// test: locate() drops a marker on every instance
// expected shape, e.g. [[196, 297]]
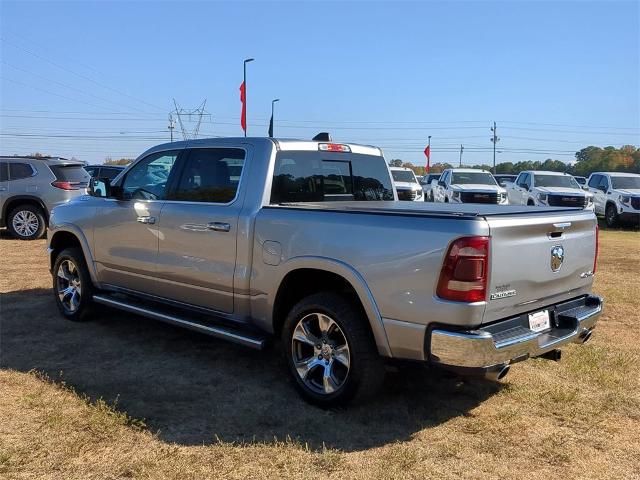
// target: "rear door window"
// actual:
[[210, 175], [322, 177], [18, 171]]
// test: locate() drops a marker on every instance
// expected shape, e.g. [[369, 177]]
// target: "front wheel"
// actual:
[[72, 285], [611, 215], [330, 351]]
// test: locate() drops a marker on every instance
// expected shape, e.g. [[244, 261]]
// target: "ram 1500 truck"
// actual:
[[249, 239]]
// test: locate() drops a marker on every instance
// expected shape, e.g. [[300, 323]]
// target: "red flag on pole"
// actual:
[[243, 115], [427, 152]]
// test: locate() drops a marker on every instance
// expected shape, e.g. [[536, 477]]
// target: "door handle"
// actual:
[[218, 227], [2, 189], [147, 220]]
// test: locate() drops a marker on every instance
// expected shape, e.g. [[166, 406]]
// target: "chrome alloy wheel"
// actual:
[[320, 353], [25, 223], [68, 286]]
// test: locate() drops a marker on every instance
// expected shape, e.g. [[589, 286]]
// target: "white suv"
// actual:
[[468, 185], [548, 189], [616, 196], [406, 184]]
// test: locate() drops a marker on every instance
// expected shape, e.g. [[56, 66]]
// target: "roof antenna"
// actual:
[[322, 137]]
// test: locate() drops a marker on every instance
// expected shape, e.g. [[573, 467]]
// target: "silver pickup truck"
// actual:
[[250, 239]]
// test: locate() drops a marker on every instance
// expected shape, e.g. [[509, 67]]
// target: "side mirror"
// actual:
[[585, 188], [603, 189], [101, 187]]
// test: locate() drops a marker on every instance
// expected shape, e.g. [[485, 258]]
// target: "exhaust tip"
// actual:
[[503, 372], [585, 336], [497, 373]]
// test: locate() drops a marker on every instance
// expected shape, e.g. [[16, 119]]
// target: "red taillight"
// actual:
[[595, 258], [463, 277], [68, 185]]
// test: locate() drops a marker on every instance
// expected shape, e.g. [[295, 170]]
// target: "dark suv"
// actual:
[[104, 171], [30, 187]]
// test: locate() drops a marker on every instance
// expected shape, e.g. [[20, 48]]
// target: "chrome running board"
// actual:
[[243, 338]]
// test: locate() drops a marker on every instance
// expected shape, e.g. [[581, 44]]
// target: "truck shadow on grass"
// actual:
[[192, 389]]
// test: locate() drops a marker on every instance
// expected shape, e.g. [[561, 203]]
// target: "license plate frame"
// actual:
[[539, 321]]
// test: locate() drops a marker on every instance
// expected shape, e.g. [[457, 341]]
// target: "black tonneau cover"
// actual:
[[457, 210]]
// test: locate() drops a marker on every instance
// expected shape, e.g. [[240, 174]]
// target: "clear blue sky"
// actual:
[[97, 79]]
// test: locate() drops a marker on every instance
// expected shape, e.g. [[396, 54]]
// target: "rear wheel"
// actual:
[[330, 351], [611, 215], [72, 285], [27, 222]]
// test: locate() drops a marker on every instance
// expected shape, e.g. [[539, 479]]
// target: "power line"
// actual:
[[89, 79], [48, 92], [66, 86]]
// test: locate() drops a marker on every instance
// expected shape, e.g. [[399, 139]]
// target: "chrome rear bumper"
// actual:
[[511, 340]]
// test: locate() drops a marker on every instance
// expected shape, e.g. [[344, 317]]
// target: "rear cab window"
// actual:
[[303, 176]]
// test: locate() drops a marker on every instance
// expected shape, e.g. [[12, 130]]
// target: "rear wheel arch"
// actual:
[[12, 202], [299, 283]]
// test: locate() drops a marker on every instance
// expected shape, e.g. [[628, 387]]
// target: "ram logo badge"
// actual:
[[557, 257]]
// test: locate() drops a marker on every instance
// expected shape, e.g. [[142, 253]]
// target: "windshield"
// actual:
[[403, 176], [625, 182], [556, 181], [474, 178]]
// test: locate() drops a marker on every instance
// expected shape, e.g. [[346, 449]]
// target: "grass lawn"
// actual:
[[125, 397]]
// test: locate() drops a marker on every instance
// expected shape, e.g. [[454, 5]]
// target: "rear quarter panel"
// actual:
[[398, 257]]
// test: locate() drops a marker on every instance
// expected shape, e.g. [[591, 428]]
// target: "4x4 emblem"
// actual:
[[557, 257]]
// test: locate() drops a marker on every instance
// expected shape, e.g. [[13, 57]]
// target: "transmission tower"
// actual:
[[184, 115]]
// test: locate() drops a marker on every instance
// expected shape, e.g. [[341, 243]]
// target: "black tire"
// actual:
[[27, 222], [365, 372], [611, 215], [61, 280]]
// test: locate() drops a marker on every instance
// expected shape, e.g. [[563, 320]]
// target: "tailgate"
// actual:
[[538, 259]]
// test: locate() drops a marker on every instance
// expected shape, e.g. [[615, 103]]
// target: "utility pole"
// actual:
[[461, 150], [171, 126], [495, 140]]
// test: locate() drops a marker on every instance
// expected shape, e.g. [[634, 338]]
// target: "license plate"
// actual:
[[539, 321]]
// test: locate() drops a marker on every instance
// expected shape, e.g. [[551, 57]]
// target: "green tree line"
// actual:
[[589, 159]]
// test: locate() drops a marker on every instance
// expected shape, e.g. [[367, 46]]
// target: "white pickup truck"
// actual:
[[548, 189], [616, 196], [406, 184], [468, 185]]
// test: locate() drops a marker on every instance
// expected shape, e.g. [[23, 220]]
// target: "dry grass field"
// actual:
[[125, 397]]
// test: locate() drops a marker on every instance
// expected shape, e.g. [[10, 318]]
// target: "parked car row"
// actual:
[[613, 195]]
